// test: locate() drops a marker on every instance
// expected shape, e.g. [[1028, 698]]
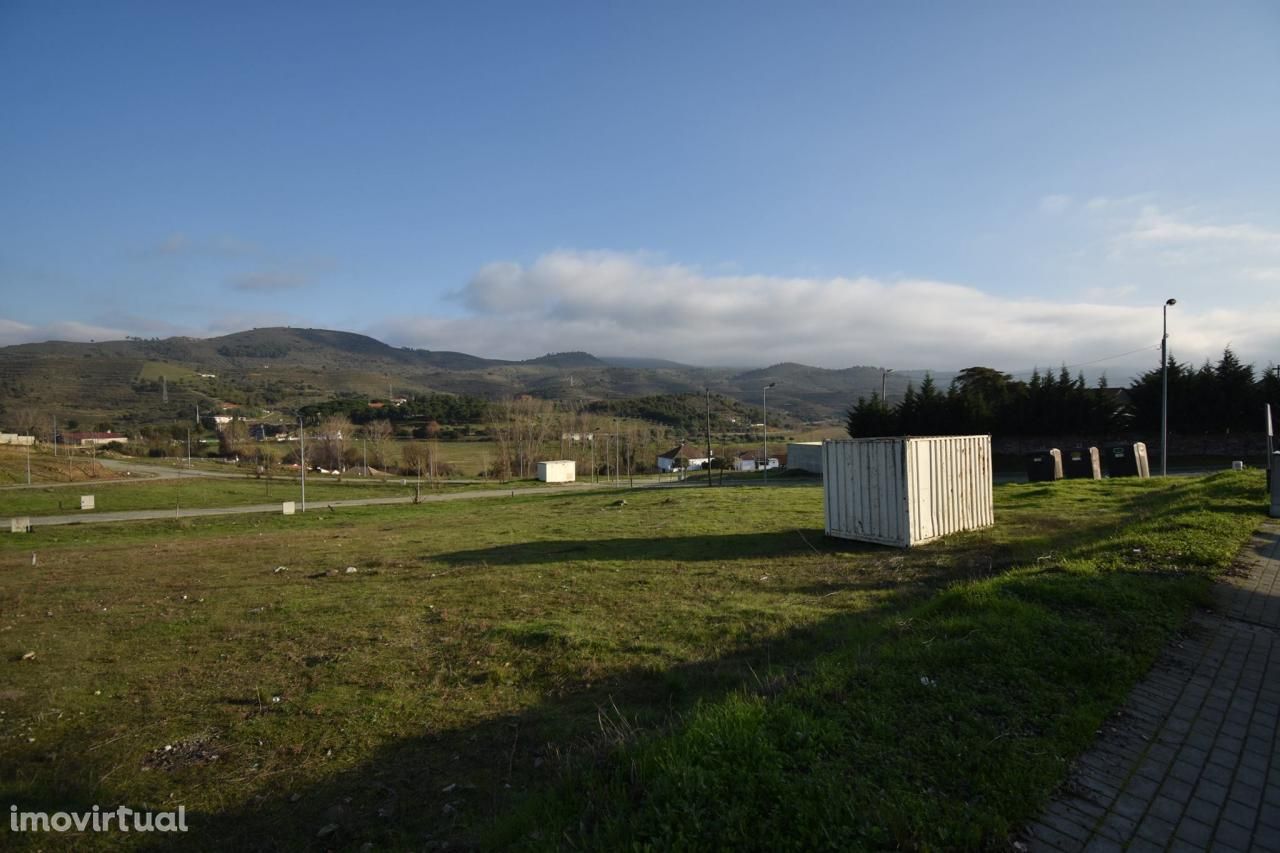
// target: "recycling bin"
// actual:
[[1127, 460], [1044, 465], [1082, 463]]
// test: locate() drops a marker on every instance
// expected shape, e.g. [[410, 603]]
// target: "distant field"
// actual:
[[469, 458], [189, 494], [201, 492], [47, 468], [690, 668]]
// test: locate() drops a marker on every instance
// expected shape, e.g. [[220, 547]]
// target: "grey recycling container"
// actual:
[[1082, 463], [1044, 465], [1126, 460]]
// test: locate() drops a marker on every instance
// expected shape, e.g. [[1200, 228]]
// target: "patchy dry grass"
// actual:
[[47, 468]]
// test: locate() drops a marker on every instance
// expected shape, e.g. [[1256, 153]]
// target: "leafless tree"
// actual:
[[331, 441], [382, 446], [28, 420]]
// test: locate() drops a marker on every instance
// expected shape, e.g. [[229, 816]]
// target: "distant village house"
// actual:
[[91, 439]]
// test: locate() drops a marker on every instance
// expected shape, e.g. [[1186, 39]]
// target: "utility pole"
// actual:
[[766, 431], [28, 465], [55, 435], [1164, 391], [188, 447], [884, 374], [302, 461], [708, 437], [364, 446]]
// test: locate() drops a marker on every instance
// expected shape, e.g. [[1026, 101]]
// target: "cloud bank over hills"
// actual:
[[1133, 255]]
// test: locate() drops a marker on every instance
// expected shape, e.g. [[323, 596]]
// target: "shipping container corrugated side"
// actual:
[[907, 491]]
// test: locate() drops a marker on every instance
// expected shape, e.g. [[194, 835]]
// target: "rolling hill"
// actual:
[[279, 368]]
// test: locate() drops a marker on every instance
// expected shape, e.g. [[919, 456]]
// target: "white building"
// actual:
[[751, 462], [692, 458]]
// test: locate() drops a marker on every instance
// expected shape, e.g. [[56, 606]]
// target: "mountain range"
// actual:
[[152, 379]]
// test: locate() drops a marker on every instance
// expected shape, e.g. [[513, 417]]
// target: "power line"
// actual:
[[1087, 363]]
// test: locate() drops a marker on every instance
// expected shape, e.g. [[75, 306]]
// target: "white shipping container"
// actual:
[[907, 491], [557, 471], [805, 456]]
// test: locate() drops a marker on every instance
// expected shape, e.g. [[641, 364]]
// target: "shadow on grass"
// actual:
[[679, 548], [449, 785]]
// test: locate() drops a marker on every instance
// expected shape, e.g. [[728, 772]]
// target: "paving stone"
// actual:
[[1073, 829], [1230, 836], [1142, 787], [1252, 778], [1166, 808], [1142, 845], [1185, 771], [1196, 745], [1241, 813], [1156, 829], [1176, 789], [1129, 806], [1179, 846], [1203, 811], [1047, 838], [1194, 832], [1212, 791], [1117, 827]]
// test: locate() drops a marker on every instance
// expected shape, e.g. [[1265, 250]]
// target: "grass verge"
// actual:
[[945, 726]]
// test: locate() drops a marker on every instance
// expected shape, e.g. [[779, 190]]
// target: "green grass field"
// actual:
[[196, 492], [202, 492], [693, 668]]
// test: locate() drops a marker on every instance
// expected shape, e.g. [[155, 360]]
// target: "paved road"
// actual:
[[141, 473], [312, 506], [1193, 760]]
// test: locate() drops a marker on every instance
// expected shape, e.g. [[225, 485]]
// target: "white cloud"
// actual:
[[611, 303], [1156, 226]]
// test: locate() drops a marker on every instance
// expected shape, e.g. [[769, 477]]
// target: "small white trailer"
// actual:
[[557, 471]]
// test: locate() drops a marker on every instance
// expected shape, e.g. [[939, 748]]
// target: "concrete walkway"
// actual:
[[1192, 762]]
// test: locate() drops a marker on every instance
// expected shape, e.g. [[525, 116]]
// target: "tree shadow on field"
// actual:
[[447, 786], [679, 548]]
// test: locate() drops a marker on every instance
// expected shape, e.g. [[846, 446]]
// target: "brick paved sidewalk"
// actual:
[[1192, 762]]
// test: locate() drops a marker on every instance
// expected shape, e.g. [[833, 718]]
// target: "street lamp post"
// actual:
[[765, 431], [302, 461], [708, 437], [884, 374], [1164, 390]]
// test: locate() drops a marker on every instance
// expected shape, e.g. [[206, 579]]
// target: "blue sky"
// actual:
[[911, 184]]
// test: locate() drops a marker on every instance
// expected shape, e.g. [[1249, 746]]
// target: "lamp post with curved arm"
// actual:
[[765, 432], [1164, 391]]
